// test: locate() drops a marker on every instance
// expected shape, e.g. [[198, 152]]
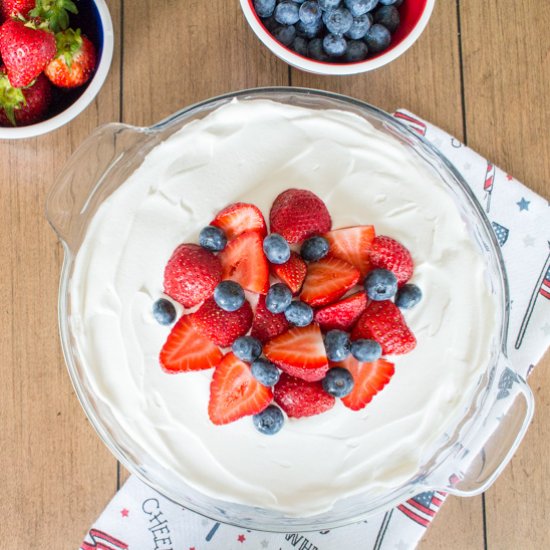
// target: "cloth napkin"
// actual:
[[139, 518]]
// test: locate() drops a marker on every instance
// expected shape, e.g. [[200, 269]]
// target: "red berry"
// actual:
[[389, 254], [267, 325], [352, 244], [238, 218], [342, 314], [292, 273], [15, 8]]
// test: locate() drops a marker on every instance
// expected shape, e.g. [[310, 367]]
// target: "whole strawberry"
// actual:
[[16, 8], [387, 253]]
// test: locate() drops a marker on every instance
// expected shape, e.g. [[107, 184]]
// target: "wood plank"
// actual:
[[55, 473]]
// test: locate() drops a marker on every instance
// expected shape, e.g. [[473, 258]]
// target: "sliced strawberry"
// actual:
[[238, 218], [186, 350], [292, 273], [235, 393], [220, 326], [243, 260], [369, 379], [191, 274], [343, 314], [300, 398], [387, 253], [384, 322], [300, 352], [297, 214], [327, 280], [267, 325], [352, 244]]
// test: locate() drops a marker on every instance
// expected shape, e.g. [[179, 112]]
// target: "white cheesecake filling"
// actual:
[[251, 151]]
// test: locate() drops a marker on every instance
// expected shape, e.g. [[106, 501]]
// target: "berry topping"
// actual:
[[265, 372], [243, 260], [299, 352], [342, 314], [338, 21], [278, 298], [327, 280], [276, 249], [191, 274], [338, 382], [352, 244], [335, 45], [380, 284], [269, 421], [297, 214], [365, 350], [212, 238], [164, 312], [361, 24], [310, 13], [378, 38], [292, 273], [247, 348], [299, 313], [383, 322], [337, 345], [387, 253], [314, 249], [286, 13], [235, 393], [238, 218], [299, 398], [222, 327], [408, 296], [186, 350], [267, 325], [229, 295]]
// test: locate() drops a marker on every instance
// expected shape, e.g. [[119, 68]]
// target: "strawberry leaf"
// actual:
[[55, 13]]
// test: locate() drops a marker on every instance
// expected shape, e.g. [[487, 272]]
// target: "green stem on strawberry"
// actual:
[[55, 13], [10, 98], [68, 43]]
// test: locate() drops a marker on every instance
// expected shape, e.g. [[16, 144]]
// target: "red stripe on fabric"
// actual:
[[413, 516], [436, 501], [545, 293], [421, 507]]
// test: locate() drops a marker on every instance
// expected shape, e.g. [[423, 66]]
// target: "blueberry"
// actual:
[[357, 51], [285, 35], [247, 348], [309, 31], [265, 372], [310, 12], [387, 16], [395, 3], [334, 46], [229, 295], [299, 313], [408, 296], [378, 38], [315, 49], [270, 24], [264, 8], [338, 21], [337, 345], [338, 382], [278, 298], [361, 24], [212, 238], [276, 249], [380, 284], [164, 311], [269, 421], [297, 1], [359, 7], [300, 45], [365, 350], [287, 13], [314, 249], [327, 5]]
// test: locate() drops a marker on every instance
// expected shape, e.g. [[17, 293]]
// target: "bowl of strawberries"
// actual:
[[54, 58]]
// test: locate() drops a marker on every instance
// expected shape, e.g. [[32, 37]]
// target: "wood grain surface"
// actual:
[[481, 71]]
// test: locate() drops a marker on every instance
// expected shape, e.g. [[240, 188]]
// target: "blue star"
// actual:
[[523, 204]]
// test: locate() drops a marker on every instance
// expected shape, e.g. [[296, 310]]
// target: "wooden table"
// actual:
[[481, 71]]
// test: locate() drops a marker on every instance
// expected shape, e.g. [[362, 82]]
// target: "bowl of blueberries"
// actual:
[[338, 37]]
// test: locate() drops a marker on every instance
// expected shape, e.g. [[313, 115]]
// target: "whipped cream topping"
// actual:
[[251, 151]]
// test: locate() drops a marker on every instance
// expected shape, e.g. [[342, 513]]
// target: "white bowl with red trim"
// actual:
[[415, 15]]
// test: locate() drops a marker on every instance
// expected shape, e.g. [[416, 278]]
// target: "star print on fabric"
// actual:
[[241, 538], [523, 204], [124, 513], [509, 177], [546, 329], [264, 543], [528, 240]]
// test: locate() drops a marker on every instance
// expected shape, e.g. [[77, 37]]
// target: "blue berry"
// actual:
[[359, 7], [299, 314], [285, 35], [298, 1], [164, 312], [361, 24], [276, 249], [378, 38], [287, 13], [387, 16], [247, 348], [395, 3], [309, 31], [212, 238], [278, 298], [365, 350], [338, 21], [229, 295], [337, 345], [265, 372], [315, 49], [357, 51], [334, 46], [264, 8], [327, 5], [314, 249], [408, 296], [310, 12], [270, 24], [269, 421], [300, 45], [338, 382], [380, 284]]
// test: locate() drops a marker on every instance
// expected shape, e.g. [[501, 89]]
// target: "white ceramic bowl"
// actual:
[[96, 13], [415, 15]]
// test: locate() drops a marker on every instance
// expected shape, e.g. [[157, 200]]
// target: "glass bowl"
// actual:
[[465, 461]]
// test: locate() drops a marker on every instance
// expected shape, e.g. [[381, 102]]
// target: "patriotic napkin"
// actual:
[[139, 518]]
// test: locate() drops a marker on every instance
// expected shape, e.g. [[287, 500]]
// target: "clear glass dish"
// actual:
[[464, 462]]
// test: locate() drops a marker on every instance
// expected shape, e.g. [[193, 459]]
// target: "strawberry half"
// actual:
[[299, 398], [387, 253], [243, 261], [384, 322], [267, 325], [235, 393], [238, 218], [327, 280], [292, 273], [220, 326], [300, 352], [369, 379], [343, 314], [297, 214], [352, 244], [191, 274], [186, 350]]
